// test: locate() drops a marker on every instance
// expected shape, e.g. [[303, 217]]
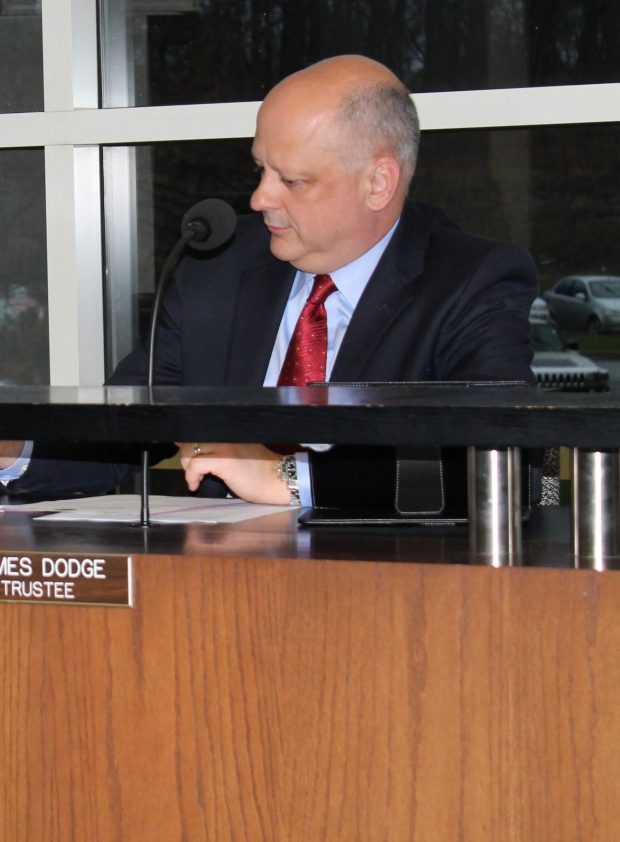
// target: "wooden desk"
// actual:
[[288, 685]]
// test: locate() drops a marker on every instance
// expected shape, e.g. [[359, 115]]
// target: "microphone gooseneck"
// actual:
[[206, 226]]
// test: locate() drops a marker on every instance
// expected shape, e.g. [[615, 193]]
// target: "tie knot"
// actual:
[[323, 287]]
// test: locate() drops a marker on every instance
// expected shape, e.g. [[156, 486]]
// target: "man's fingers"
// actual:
[[196, 467]]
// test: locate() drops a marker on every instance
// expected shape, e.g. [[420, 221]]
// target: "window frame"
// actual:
[[72, 130]]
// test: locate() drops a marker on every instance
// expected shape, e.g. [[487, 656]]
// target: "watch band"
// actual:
[[287, 472]]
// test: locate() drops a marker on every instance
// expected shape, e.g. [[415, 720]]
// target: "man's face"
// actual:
[[312, 192]]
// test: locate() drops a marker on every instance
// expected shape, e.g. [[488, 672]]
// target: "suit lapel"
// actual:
[[391, 287], [261, 299], [264, 289]]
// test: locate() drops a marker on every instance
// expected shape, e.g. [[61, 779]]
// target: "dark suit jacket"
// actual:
[[441, 305]]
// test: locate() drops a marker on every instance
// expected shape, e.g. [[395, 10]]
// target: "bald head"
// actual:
[[339, 74], [335, 146], [362, 105]]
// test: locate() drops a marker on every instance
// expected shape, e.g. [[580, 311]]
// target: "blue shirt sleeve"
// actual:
[[18, 467]]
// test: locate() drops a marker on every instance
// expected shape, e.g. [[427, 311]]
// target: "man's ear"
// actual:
[[384, 181]]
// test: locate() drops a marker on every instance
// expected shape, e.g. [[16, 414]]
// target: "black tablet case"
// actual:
[[391, 485]]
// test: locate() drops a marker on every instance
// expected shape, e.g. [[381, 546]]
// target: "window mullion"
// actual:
[[73, 185]]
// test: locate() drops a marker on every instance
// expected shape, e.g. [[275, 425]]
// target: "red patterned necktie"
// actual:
[[307, 351]]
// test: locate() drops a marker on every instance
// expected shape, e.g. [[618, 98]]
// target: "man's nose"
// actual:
[[265, 196]]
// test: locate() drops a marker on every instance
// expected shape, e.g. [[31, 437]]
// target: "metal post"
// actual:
[[494, 503], [596, 508]]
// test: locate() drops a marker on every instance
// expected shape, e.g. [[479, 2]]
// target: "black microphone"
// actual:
[[212, 222], [206, 226]]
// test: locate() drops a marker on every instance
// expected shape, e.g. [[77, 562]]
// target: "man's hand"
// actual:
[[249, 470], [9, 452]]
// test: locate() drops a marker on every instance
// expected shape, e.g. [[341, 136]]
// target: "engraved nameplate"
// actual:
[[65, 578]]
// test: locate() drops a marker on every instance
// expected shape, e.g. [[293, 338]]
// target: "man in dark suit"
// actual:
[[413, 297]]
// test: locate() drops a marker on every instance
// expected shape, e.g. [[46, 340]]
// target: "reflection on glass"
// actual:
[[606, 288], [24, 355], [555, 190], [586, 302], [193, 51], [21, 56]]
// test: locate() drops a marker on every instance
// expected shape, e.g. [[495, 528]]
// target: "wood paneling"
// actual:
[[282, 700]]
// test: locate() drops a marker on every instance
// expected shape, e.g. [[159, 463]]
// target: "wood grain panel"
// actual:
[[285, 700]]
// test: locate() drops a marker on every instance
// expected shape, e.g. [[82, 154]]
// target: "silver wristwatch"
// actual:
[[287, 471]]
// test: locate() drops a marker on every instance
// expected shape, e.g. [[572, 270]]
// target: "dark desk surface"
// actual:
[[415, 414], [546, 539], [407, 414]]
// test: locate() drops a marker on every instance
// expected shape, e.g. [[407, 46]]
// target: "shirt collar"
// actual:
[[351, 279]]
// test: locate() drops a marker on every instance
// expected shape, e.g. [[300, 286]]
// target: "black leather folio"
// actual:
[[393, 485]]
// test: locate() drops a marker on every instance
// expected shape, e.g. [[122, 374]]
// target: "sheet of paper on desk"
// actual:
[[125, 508]]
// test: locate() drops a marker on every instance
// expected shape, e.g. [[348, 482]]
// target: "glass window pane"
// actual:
[[201, 51], [556, 190], [24, 354], [147, 190], [21, 56]]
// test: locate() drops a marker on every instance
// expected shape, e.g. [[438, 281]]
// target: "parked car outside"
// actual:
[[586, 302], [558, 364]]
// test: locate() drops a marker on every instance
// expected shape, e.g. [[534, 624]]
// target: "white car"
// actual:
[[586, 302]]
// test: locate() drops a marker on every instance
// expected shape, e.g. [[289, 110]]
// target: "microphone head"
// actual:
[[213, 222]]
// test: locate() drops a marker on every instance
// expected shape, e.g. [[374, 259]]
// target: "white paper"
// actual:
[[125, 508]]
